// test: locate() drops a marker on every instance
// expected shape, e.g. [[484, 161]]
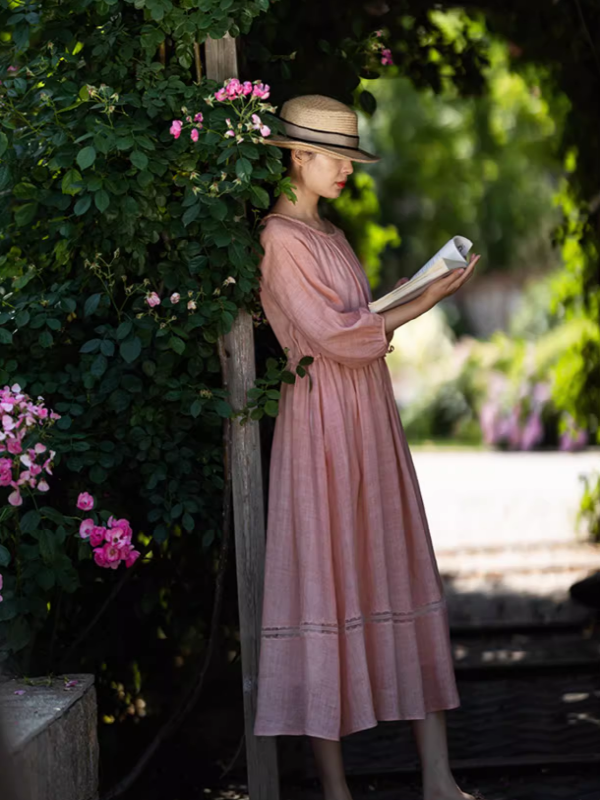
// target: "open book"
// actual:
[[451, 256]]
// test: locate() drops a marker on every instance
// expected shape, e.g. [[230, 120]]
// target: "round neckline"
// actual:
[[306, 225]]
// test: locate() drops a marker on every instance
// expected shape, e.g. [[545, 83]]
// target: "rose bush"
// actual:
[[127, 249]]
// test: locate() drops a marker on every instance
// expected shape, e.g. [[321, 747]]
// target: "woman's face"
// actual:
[[322, 174]]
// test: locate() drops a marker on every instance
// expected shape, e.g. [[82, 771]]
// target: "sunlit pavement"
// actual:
[[483, 498], [505, 533]]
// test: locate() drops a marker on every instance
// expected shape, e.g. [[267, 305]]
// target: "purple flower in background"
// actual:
[[541, 393], [533, 431], [574, 437], [513, 427]]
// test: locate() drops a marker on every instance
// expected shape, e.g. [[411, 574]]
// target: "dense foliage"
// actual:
[[129, 219]]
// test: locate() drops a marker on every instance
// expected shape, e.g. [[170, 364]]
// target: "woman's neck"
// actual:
[[306, 208]]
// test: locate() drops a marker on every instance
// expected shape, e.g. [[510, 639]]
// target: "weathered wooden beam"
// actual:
[[249, 523]]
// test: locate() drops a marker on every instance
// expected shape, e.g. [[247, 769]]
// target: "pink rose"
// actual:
[[14, 446], [86, 528], [85, 501], [97, 535], [175, 297], [198, 117], [175, 128], [194, 135], [261, 90], [99, 557], [153, 299]]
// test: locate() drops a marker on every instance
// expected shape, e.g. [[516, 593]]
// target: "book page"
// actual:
[[455, 249], [451, 256]]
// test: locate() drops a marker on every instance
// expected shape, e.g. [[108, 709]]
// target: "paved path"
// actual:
[[478, 498], [505, 533]]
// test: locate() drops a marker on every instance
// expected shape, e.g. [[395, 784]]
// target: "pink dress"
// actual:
[[354, 619]]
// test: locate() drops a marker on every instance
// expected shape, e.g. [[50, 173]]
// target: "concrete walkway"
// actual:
[[504, 531], [483, 498]]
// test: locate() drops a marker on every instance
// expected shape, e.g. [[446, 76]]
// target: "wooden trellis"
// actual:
[[237, 352]]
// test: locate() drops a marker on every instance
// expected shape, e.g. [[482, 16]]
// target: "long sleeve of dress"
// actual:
[[291, 274]]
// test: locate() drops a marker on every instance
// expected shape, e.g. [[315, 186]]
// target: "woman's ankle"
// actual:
[[338, 790]]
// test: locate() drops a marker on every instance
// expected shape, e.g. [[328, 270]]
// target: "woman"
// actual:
[[354, 620]]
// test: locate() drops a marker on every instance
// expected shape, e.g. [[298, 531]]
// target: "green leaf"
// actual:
[[45, 339], [124, 329], [71, 182], [107, 348], [81, 447], [19, 634], [64, 423], [243, 169], [223, 408], [4, 556], [196, 408], [119, 401], [30, 521], [25, 214], [102, 200], [99, 365], [130, 349], [67, 576], [218, 209], [160, 533], [5, 336], [177, 344], [68, 304], [90, 346], [272, 408], [86, 157], [190, 214], [45, 578], [8, 609], [259, 197], [368, 102], [188, 522], [52, 514], [82, 205], [3, 143], [139, 159], [47, 544], [98, 474], [91, 304]]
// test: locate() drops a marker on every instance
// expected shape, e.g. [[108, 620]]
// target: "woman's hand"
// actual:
[[400, 282], [450, 283]]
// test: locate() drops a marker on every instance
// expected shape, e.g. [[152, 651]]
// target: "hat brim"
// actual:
[[326, 149]]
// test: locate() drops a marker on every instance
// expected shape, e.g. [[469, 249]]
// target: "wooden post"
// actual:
[[249, 523]]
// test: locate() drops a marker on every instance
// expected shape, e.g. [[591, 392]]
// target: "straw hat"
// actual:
[[322, 125]]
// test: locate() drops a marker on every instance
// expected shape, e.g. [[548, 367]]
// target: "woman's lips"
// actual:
[[341, 183]]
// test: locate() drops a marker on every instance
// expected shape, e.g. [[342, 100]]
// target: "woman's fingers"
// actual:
[[462, 275]]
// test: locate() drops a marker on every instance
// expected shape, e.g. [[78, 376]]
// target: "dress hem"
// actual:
[[395, 718]]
